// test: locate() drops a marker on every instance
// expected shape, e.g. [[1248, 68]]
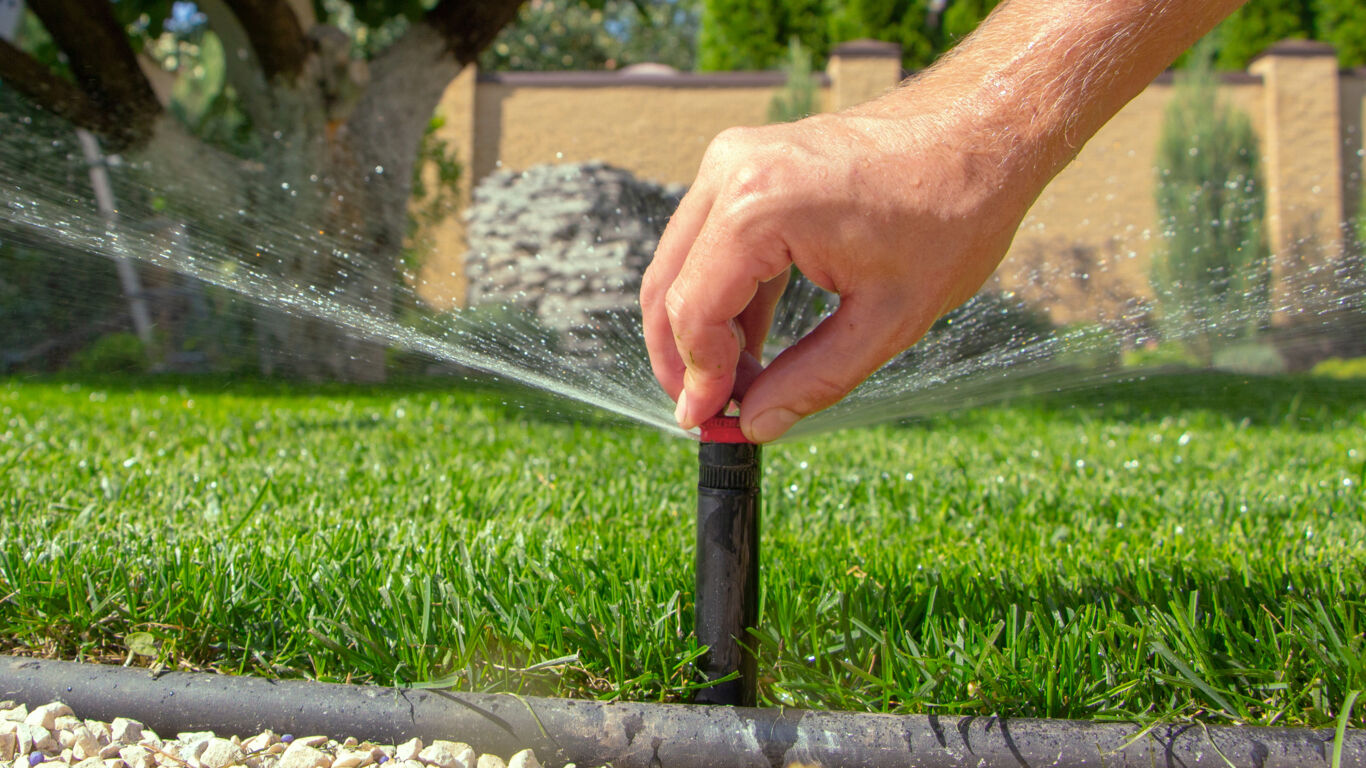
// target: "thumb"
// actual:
[[824, 366]]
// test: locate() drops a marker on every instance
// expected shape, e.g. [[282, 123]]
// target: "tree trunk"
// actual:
[[350, 176]]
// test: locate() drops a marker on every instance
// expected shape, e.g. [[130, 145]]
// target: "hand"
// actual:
[[903, 218]]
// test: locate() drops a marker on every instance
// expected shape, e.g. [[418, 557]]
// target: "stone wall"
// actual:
[[656, 123], [565, 245]]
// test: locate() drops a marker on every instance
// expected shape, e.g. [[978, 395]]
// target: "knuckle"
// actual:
[[822, 390], [649, 289], [676, 306]]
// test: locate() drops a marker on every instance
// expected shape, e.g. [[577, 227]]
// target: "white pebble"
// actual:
[[125, 731], [311, 741], [9, 746], [136, 757], [111, 751], [93, 762], [491, 761], [303, 756], [84, 744], [261, 741], [221, 753], [15, 714], [66, 722], [46, 715], [43, 740], [100, 731], [408, 750], [524, 759], [448, 754], [115, 763]]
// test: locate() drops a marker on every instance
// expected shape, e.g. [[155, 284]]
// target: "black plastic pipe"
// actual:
[[624, 735], [727, 586]]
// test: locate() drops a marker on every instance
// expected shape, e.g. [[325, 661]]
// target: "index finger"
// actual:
[[669, 256], [719, 278]]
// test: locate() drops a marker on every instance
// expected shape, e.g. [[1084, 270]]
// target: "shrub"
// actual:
[[1091, 346], [1211, 272], [112, 353], [1167, 355], [797, 99], [1339, 368], [1255, 358]]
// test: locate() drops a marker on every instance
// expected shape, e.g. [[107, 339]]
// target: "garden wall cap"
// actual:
[[867, 49], [1298, 49]]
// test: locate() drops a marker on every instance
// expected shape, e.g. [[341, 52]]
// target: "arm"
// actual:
[[903, 206]]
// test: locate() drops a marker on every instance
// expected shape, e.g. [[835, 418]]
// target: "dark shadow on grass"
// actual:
[[512, 399], [1298, 401]]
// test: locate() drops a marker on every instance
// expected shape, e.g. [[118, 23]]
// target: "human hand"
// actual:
[[903, 219]]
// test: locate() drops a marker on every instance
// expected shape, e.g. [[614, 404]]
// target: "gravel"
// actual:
[[52, 736]]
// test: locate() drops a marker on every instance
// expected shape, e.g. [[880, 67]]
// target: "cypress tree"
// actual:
[[1257, 26], [1342, 23], [1210, 273]]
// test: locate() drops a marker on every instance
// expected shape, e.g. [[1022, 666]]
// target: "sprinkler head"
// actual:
[[727, 586], [723, 429]]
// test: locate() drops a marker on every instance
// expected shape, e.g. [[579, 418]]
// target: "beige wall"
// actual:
[[1096, 222]]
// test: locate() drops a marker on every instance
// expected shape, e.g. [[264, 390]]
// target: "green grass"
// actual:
[[1182, 547]]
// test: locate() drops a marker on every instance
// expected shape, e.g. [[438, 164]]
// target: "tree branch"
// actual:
[[469, 26], [275, 35], [243, 71], [104, 65], [49, 92]]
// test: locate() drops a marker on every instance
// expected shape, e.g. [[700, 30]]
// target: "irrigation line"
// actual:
[[627, 735]]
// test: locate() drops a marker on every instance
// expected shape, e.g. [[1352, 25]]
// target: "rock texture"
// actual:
[[564, 246], [25, 742]]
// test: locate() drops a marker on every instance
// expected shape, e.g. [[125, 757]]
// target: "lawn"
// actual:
[[1181, 547]]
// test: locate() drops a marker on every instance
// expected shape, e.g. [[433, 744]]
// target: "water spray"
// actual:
[[727, 589]]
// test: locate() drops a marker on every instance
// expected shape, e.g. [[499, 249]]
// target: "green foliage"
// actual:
[[112, 353], [905, 22], [1165, 355], [1342, 23], [798, 97], [574, 34], [961, 17], [202, 99], [1339, 368], [1083, 555], [1257, 26], [50, 302], [752, 34], [1090, 346], [1256, 358], [1211, 271], [749, 34]]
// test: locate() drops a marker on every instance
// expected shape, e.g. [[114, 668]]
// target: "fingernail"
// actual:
[[771, 424], [681, 410]]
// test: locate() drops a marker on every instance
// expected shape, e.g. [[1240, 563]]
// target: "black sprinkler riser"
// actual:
[[727, 569], [625, 735]]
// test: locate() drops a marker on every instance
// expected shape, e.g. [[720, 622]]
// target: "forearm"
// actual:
[[1040, 77]]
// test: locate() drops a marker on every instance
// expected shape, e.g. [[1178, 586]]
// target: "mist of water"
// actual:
[[991, 348]]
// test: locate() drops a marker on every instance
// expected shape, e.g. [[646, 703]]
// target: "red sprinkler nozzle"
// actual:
[[723, 429]]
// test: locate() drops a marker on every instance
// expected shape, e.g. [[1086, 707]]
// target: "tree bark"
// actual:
[[275, 36], [105, 67], [341, 141], [33, 79]]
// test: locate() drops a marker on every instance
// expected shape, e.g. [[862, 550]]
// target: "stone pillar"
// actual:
[[1302, 164], [861, 70]]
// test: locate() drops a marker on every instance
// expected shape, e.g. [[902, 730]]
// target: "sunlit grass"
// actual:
[[1183, 547]]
